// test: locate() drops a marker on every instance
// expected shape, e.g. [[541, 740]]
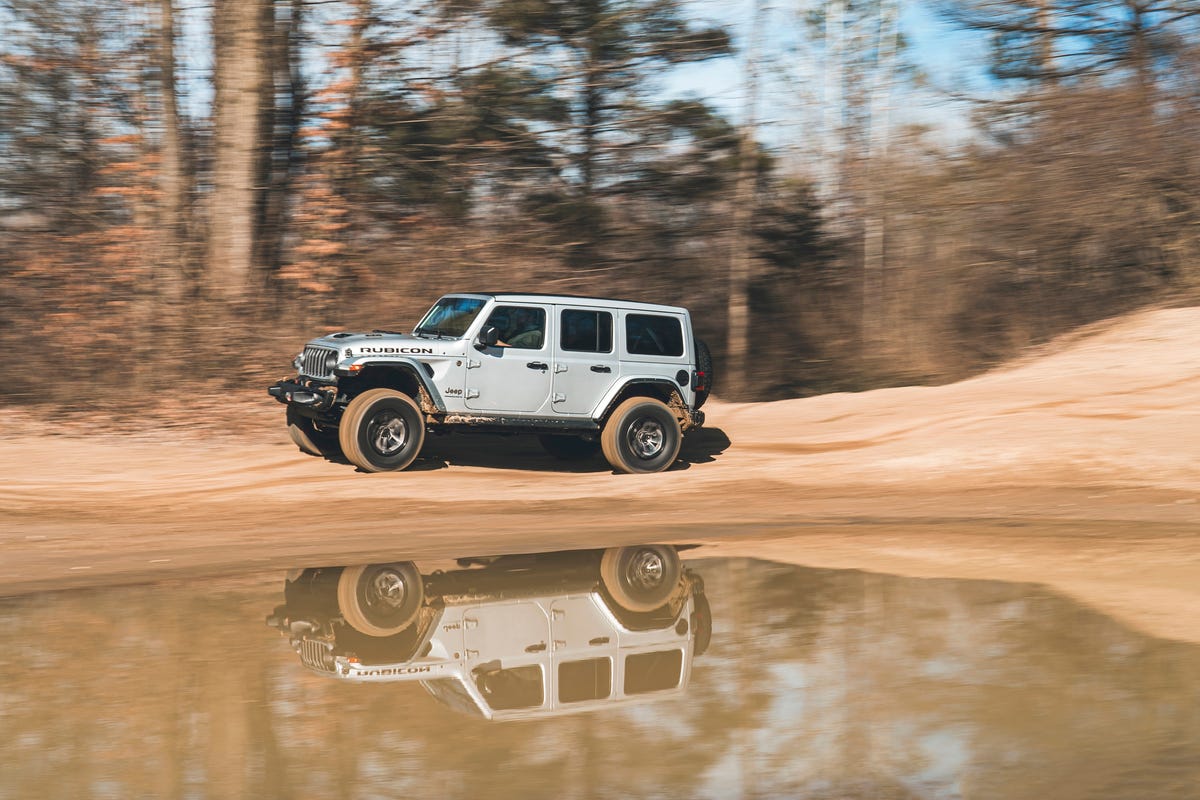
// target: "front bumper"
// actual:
[[317, 397]]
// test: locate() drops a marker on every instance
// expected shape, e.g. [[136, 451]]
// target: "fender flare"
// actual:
[[350, 367], [606, 405]]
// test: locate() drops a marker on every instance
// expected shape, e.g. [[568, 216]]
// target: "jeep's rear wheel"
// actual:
[[569, 448], [380, 599], [642, 435], [309, 438], [382, 430], [640, 578]]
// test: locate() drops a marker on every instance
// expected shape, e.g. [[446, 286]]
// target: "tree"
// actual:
[[242, 89], [176, 171], [601, 54]]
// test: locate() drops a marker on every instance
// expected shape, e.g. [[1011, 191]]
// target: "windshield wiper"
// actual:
[[438, 332], [395, 333]]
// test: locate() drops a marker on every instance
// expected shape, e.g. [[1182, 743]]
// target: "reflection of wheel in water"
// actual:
[[640, 578], [380, 599]]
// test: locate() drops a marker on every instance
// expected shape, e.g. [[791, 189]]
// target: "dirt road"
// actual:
[[1076, 468]]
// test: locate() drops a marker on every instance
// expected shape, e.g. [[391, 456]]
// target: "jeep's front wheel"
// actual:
[[380, 599], [381, 430], [642, 435]]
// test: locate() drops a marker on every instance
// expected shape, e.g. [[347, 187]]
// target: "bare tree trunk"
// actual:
[[833, 156], [239, 81], [874, 323], [283, 119], [173, 174], [740, 260]]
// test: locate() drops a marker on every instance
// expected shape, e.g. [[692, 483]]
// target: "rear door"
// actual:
[[586, 364], [585, 648]]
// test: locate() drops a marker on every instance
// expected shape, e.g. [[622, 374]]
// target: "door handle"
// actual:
[[536, 648], [598, 368], [538, 365], [599, 640]]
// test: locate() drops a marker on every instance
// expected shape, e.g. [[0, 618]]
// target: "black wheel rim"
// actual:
[[644, 575], [646, 438], [383, 595], [387, 433]]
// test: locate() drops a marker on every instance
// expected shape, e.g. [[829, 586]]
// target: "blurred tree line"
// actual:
[[340, 163]]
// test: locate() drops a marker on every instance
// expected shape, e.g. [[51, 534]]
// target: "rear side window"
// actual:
[[653, 672], [586, 331], [652, 335], [584, 680]]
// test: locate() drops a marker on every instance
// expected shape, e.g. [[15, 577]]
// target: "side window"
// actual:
[[584, 680], [652, 335], [505, 689], [522, 327], [653, 672], [586, 331]]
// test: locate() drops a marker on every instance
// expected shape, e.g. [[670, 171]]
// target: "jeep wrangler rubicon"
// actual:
[[583, 374], [507, 637]]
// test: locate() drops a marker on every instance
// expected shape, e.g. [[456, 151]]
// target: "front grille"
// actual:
[[316, 655], [318, 362]]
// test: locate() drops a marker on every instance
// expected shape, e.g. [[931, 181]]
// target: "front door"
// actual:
[[507, 650], [514, 376]]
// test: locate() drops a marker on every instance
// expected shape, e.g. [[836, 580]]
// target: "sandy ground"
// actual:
[[1075, 468]]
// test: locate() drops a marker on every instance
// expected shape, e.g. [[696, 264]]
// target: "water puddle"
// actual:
[[633, 672]]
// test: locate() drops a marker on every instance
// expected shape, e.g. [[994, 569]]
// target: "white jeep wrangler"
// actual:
[[584, 374], [510, 636]]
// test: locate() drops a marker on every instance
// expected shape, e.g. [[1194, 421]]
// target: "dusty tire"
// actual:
[[642, 435], [704, 363], [381, 430], [640, 578], [569, 448], [380, 599], [305, 435]]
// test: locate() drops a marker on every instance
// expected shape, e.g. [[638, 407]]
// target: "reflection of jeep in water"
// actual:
[[509, 636], [584, 374]]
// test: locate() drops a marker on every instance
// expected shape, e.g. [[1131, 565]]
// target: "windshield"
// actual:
[[450, 316]]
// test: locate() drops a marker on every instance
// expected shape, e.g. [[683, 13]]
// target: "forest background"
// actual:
[[188, 191]]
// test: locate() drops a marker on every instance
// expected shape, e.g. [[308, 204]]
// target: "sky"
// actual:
[[792, 95], [792, 102]]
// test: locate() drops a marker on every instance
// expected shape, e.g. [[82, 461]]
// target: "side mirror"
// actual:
[[487, 338]]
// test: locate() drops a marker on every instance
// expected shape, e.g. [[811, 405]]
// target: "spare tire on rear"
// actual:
[[704, 363]]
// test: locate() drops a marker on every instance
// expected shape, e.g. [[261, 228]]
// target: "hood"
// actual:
[[386, 343]]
